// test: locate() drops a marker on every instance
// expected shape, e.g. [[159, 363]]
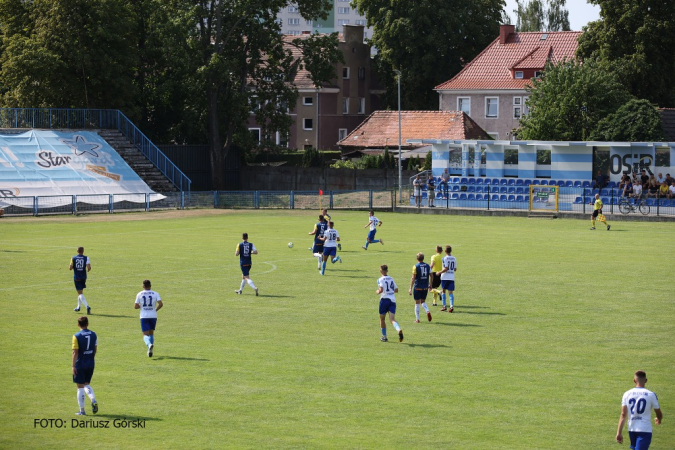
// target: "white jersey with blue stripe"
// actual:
[[388, 286], [373, 222]]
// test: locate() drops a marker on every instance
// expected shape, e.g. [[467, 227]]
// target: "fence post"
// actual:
[[110, 203], [182, 200], [74, 204], [370, 199], [488, 196], [215, 199], [331, 200], [292, 200], [147, 202], [35, 206], [256, 199]]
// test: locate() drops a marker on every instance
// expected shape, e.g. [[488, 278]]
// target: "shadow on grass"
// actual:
[[480, 312], [114, 316], [474, 307], [427, 345], [179, 358], [276, 296], [453, 324], [125, 417], [13, 251]]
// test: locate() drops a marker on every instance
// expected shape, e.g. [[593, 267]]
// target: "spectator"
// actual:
[[637, 190], [431, 187], [664, 190], [627, 187], [671, 190], [624, 178], [417, 190], [600, 181], [660, 178], [652, 187], [445, 177], [644, 180], [669, 179]]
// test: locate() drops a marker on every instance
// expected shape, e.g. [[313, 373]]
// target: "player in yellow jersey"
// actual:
[[597, 213], [436, 266]]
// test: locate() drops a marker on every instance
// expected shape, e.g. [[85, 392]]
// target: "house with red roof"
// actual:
[[491, 88], [380, 130]]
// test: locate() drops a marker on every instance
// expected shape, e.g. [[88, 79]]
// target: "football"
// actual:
[[290, 245]]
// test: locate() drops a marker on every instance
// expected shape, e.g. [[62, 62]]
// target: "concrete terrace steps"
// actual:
[[137, 161]]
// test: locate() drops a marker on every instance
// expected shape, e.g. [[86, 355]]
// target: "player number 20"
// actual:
[[641, 405]]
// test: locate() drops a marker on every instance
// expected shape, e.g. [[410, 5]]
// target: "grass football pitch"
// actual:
[[551, 321]]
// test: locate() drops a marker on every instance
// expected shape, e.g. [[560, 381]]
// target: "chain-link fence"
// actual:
[[103, 203]]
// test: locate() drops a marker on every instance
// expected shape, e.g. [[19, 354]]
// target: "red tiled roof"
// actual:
[[380, 129], [491, 69]]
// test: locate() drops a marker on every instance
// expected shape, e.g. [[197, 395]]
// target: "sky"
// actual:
[[580, 12]]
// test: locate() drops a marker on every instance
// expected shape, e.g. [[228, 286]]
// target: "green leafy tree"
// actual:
[[637, 38], [312, 158], [68, 53], [429, 42], [541, 15], [634, 121], [570, 100], [427, 161]]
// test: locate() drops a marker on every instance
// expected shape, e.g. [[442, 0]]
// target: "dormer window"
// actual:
[[538, 74], [519, 74]]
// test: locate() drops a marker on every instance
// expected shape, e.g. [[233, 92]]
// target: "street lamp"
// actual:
[[398, 76]]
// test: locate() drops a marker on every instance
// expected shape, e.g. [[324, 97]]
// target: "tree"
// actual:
[[634, 121], [535, 15], [637, 38], [568, 102], [429, 42], [68, 53], [427, 161]]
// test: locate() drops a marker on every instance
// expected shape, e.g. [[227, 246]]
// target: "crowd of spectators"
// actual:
[[650, 186]]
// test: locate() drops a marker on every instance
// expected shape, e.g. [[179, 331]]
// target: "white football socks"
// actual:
[[243, 283], [90, 392], [426, 308], [80, 398], [417, 311], [81, 299], [250, 283]]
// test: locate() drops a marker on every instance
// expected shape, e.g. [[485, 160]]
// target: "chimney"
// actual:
[[353, 33], [504, 31]]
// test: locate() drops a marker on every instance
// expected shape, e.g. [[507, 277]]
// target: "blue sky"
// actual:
[[581, 12]]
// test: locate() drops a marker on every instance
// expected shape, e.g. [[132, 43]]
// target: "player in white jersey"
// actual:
[[330, 239], [447, 275], [637, 405], [373, 223], [149, 302], [387, 290]]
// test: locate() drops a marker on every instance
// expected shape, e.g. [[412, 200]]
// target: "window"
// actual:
[[345, 73], [345, 106], [344, 1], [343, 10], [281, 139], [254, 104], [343, 22], [308, 22], [342, 133], [526, 110], [544, 157], [464, 104], [491, 107], [295, 21], [292, 9], [307, 124], [360, 22], [294, 32], [362, 73], [519, 74], [511, 156], [517, 107], [255, 134], [308, 101], [493, 135], [362, 105], [538, 74]]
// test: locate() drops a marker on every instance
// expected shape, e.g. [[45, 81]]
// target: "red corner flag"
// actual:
[[320, 192]]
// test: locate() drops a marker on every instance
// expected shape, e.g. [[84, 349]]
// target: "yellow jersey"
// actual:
[[437, 262], [597, 205]]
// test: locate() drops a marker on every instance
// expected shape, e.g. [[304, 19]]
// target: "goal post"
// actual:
[[543, 198]]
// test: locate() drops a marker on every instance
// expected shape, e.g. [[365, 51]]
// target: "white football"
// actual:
[[290, 245]]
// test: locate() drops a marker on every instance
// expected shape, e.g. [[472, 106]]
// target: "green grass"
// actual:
[[551, 321]]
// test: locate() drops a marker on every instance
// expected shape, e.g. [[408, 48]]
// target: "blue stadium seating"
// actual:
[[578, 201], [569, 183], [552, 183], [651, 202], [471, 188], [463, 181], [462, 196], [519, 182], [495, 197], [471, 197], [455, 188], [479, 181], [455, 180], [472, 181], [512, 190], [605, 200], [664, 202], [540, 182], [479, 197], [502, 198], [586, 184], [503, 190], [519, 198], [495, 181], [455, 196], [511, 198], [604, 193], [504, 182], [561, 183], [521, 190], [612, 184], [479, 188], [577, 184]]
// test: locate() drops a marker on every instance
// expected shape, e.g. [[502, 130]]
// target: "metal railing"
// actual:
[[65, 118]]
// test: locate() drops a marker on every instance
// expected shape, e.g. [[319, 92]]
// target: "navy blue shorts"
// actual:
[[639, 440], [329, 251], [245, 269], [148, 324], [386, 305], [80, 285], [448, 285], [83, 376], [371, 235], [318, 248], [420, 294]]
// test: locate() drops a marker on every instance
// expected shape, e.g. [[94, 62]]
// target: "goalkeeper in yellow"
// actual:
[[597, 213]]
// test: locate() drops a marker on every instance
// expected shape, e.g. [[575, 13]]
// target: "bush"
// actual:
[[312, 158]]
